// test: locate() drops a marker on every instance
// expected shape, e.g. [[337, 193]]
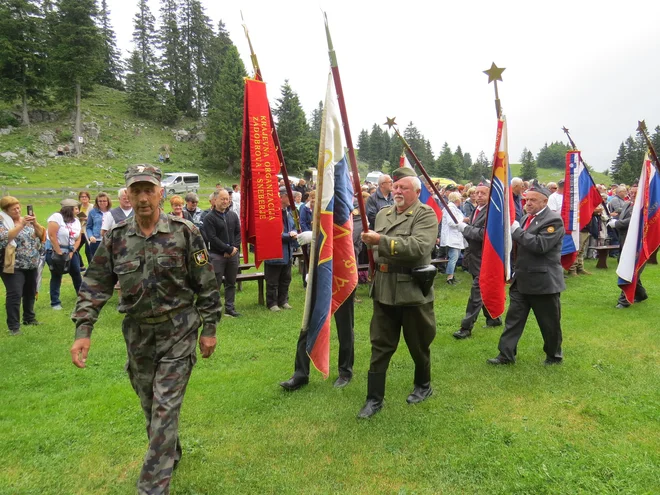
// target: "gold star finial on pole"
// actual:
[[390, 122], [641, 126], [495, 74]]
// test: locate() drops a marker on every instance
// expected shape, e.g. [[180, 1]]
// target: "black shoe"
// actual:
[[420, 393], [294, 383], [462, 334], [232, 314], [499, 360], [493, 323], [15, 333], [32, 323], [640, 299], [551, 361], [622, 306], [371, 407], [342, 381]]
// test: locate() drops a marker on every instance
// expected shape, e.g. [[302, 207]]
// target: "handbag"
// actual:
[[59, 263]]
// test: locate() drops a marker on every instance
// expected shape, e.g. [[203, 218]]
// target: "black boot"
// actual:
[[422, 390], [375, 395]]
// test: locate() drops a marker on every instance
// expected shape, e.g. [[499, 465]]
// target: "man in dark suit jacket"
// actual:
[[474, 234], [621, 224], [537, 281]]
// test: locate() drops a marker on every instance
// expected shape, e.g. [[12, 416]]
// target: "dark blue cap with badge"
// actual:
[[143, 173], [536, 187]]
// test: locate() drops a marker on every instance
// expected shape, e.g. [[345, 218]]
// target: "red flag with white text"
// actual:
[[261, 217]]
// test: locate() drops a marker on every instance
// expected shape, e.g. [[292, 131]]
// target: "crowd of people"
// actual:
[[170, 267]]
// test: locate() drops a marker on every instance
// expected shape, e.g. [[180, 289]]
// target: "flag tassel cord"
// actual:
[[347, 136], [278, 148]]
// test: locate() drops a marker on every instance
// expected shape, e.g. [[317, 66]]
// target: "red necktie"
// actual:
[[476, 214], [528, 222]]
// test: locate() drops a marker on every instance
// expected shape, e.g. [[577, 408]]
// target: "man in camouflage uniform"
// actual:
[[161, 263], [403, 239]]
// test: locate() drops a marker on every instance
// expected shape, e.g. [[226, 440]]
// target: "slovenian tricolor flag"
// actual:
[[333, 271], [496, 257], [643, 231], [581, 197]]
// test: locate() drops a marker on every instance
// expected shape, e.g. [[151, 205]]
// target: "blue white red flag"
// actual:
[[425, 196], [581, 197], [496, 255], [333, 271], [643, 236], [428, 198]]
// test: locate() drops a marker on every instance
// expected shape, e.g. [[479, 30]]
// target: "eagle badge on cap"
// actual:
[[201, 257]]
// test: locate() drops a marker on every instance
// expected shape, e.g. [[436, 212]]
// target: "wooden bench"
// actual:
[[603, 253], [259, 277], [241, 267]]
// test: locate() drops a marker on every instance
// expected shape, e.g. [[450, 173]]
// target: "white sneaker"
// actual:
[[287, 306], [274, 309], [57, 307]]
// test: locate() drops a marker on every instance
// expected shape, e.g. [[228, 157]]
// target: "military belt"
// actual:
[[154, 320], [389, 268]]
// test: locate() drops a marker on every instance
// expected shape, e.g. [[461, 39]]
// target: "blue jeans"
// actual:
[[56, 278], [452, 255]]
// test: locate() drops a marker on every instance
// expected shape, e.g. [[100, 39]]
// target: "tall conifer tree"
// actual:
[[22, 53], [297, 145], [76, 53], [142, 81], [113, 70]]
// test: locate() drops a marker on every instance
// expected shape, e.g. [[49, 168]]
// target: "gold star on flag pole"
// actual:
[[495, 74], [390, 122]]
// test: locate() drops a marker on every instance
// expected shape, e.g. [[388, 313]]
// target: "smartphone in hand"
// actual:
[[30, 210]]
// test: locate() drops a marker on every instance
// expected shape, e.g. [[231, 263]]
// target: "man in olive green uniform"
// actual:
[[403, 239], [162, 264]]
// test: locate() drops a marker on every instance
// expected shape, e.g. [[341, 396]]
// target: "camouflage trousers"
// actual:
[[160, 360]]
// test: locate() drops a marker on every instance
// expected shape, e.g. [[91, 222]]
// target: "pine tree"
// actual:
[[446, 165], [76, 54], [480, 168], [196, 40], [169, 43], [112, 72], [396, 148], [376, 148], [363, 146], [142, 81], [225, 116], [316, 121], [655, 139], [528, 170], [618, 161], [297, 146], [22, 53], [553, 156]]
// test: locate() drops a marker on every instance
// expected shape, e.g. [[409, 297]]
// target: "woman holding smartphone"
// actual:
[[21, 242]]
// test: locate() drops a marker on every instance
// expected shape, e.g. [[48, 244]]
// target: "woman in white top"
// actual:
[[64, 235], [451, 237]]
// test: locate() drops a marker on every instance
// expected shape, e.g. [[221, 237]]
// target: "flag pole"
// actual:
[[570, 140], [278, 148], [391, 123], [641, 127], [347, 136]]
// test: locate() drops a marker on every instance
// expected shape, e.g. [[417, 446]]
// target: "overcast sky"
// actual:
[[589, 65]]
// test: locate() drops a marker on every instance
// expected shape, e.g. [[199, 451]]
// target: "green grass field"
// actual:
[[588, 426]]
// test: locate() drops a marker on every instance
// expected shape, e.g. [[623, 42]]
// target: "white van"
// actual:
[[180, 182], [373, 176]]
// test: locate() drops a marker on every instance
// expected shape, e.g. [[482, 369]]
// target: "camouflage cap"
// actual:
[[402, 172], [143, 173]]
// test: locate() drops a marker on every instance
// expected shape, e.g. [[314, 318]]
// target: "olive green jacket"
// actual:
[[406, 240]]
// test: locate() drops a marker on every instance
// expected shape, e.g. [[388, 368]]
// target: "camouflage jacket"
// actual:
[[157, 274], [406, 240]]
